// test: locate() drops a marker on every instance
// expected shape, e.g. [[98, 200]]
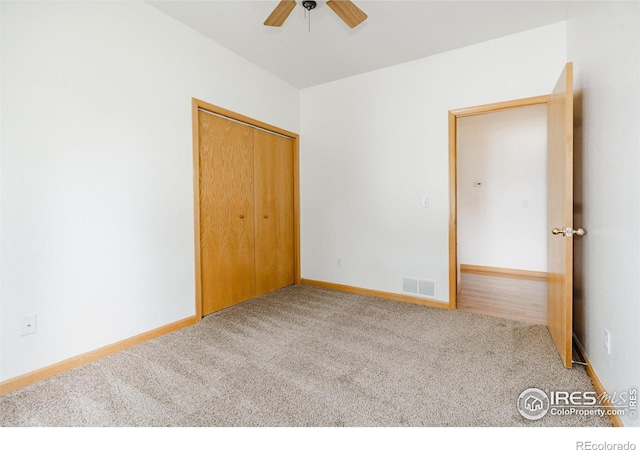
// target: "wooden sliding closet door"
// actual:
[[273, 168], [227, 221]]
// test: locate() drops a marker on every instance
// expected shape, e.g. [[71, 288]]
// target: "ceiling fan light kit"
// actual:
[[345, 9]]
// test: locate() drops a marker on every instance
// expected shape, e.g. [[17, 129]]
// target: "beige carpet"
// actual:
[[305, 356]]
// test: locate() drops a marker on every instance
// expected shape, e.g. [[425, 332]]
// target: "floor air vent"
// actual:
[[409, 286], [425, 288]]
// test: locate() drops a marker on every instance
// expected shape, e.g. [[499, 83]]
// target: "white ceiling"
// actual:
[[395, 32]]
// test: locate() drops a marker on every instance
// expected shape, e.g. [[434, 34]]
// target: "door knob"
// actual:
[[265, 216], [242, 216], [568, 231]]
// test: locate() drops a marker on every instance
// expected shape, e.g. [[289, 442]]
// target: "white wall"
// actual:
[[97, 183], [374, 145], [503, 222], [604, 43]]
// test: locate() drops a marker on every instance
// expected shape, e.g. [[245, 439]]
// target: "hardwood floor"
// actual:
[[511, 297]]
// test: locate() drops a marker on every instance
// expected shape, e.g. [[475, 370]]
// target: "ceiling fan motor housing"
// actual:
[[309, 4]]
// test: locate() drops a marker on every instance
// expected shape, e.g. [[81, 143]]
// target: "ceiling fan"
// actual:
[[345, 9]]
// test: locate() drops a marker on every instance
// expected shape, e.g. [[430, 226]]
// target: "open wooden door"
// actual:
[[560, 215]]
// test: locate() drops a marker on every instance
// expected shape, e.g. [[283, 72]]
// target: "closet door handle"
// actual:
[[266, 216], [242, 216]]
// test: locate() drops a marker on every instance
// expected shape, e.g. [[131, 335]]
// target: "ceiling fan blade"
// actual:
[[280, 13], [348, 12]]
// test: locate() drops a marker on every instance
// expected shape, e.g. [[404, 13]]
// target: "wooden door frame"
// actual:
[[454, 115], [199, 104]]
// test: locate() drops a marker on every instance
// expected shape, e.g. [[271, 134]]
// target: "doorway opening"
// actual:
[[497, 240]]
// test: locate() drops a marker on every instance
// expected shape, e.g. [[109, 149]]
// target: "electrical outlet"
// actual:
[[607, 341], [339, 263], [28, 325]]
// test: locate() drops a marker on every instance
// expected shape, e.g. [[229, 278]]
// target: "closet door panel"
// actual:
[[227, 226], [273, 159]]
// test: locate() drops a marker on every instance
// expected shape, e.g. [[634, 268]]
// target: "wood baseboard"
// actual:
[[597, 384], [499, 271], [86, 358], [374, 293]]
